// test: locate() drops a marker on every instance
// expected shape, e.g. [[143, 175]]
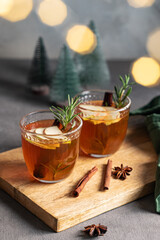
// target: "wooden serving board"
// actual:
[[53, 203]]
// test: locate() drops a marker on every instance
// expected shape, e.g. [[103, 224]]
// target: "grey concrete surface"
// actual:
[[123, 29], [137, 220]]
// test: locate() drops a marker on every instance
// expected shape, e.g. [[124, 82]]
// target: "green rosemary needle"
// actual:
[[67, 114], [121, 93]]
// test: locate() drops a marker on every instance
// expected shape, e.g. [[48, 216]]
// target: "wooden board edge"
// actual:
[[11, 150], [26, 202], [67, 221]]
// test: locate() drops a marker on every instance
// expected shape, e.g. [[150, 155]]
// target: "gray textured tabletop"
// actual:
[[136, 220]]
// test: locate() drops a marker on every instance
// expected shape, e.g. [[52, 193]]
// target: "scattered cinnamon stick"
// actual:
[[83, 181], [108, 175], [108, 99]]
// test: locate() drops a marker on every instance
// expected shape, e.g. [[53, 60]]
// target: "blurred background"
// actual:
[[128, 28], [129, 34]]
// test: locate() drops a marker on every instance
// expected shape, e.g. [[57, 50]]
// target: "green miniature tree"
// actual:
[[92, 68], [39, 76], [66, 80]]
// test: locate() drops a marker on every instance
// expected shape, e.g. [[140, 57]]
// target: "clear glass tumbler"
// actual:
[[50, 155], [104, 128]]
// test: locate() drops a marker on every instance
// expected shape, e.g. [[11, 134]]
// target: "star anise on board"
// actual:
[[121, 172], [95, 230]]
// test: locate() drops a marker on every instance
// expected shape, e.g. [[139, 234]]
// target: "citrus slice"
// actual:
[[41, 145]]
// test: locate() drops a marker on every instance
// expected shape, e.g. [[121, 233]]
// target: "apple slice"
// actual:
[[92, 107], [32, 130], [112, 113], [54, 132], [93, 111], [29, 135], [96, 108], [40, 131], [100, 113], [110, 109]]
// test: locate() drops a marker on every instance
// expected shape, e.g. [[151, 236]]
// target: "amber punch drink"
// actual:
[[104, 125], [50, 152]]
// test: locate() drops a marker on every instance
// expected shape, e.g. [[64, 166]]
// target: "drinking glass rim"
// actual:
[[46, 110], [100, 90]]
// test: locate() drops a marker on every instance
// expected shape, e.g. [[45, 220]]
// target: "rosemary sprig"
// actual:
[[121, 93], [67, 114]]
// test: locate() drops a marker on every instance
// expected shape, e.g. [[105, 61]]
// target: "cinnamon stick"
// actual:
[[83, 181], [108, 175], [39, 171], [108, 98], [56, 123]]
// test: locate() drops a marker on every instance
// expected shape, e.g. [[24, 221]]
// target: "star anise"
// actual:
[[95, 230], [121, 172]]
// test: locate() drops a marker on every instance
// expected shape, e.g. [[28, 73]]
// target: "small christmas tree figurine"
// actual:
[[39, 76], [92, 68], [66, 80]]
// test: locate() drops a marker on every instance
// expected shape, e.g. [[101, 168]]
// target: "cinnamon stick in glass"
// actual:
[[83, 181], [108, 99], [108, 175]]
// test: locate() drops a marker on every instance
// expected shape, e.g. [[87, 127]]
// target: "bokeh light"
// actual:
[[81, 39], [140, 3], [16, 10], [146, 71], [153, 44], [5, 6], [52, 12]]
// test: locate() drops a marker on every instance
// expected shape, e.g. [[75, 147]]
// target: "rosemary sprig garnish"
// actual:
[[121, 93], [67, 114]]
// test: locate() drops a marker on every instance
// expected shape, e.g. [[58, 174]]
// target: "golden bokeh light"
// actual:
[[52, 12], [81, 39], [140, 3], [16, 10], [5, 6], [146, 71], [153, 44]]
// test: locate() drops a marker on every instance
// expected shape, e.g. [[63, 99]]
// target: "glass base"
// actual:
[[99, 156], [45, 181]]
